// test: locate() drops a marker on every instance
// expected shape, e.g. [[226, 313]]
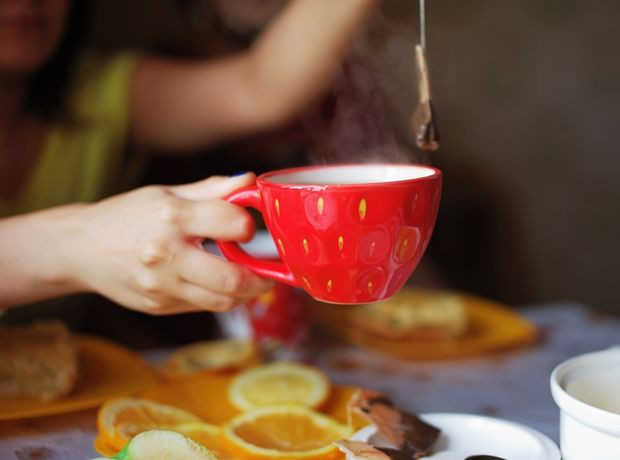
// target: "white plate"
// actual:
[[463, 435]]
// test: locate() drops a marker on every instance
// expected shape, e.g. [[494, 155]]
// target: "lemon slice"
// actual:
[[121, 419], [285, 431], [210, 356], [279, 383], [164, 445]]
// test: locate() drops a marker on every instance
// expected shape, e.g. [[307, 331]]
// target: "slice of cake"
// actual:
[[39, 360], [414, 314]]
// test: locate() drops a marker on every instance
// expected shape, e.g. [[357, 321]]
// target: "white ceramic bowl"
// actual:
[[463, 435], [587, 390]]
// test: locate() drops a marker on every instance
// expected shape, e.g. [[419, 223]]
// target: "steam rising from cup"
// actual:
[[365, 117]]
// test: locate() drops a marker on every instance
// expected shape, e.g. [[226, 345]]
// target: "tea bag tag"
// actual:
[[424, 121]]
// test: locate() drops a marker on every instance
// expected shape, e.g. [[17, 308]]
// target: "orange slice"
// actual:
[[121, 419], [279, 383], [285, 431], [210, 356], [206, 434]]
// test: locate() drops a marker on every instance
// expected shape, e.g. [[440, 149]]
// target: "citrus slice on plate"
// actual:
[[279, 383], [121, 419], [286, 431], [206, 434], [210, 356], [164, 445]]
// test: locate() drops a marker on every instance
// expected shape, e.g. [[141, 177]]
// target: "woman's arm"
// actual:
[[140, 249], [33, 265], [177, 104]]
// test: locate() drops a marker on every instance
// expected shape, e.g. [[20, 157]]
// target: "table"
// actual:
[[512, 385]]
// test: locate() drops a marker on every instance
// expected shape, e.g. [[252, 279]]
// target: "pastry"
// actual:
[[39, 360], [413, 314]]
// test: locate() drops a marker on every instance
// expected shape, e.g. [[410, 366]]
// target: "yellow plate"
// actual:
[[106, 370], [493, 327], [207, 396]]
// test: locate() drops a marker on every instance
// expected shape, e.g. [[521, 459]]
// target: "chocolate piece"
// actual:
[[484, 457], [394, 454], [409, 433], [363, 451]]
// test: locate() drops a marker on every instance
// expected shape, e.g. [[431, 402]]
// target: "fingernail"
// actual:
[[237, 174]]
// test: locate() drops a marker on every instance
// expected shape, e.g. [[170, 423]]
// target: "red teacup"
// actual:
[[346, 234]]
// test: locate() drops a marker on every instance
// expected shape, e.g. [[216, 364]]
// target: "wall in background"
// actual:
[[530, 97]]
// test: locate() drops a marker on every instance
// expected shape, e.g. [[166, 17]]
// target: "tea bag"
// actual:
[[424, 120]]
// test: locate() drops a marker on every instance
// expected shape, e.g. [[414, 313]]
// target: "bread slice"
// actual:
[[413, 314], [39, 360]]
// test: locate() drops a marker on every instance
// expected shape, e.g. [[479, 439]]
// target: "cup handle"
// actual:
[[249, 197]]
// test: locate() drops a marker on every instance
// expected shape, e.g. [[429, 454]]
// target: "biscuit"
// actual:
[[413, 314], [39, 360]]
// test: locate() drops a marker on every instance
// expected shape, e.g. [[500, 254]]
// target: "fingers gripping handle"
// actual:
[[248, 197]]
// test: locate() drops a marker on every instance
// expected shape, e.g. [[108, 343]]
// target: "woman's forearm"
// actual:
[[178, 104], [34, 256], [298, 56]]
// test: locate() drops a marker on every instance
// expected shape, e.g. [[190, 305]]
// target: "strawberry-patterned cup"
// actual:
[[346, 234], [278, 321]]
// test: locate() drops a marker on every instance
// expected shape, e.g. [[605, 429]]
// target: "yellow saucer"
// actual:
[[106, 370], [493, 327]]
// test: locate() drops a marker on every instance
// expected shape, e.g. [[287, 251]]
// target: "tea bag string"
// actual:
[[420, 51], [423, 24], [424, 84]]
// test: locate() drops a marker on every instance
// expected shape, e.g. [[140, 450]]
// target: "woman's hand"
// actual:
[[143, 250]]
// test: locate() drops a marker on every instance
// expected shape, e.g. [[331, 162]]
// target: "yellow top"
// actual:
[[82, 159]]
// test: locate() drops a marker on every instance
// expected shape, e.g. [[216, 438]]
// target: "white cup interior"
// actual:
[[351, 174], [586, 388], [597, 385]]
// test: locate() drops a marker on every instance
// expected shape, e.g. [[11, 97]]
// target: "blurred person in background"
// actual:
[[66, 117], [353, 121]]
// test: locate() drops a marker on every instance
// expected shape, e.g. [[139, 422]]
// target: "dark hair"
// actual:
[[47, 91]]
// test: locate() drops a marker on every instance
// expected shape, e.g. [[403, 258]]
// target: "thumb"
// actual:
[[213, 187]]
